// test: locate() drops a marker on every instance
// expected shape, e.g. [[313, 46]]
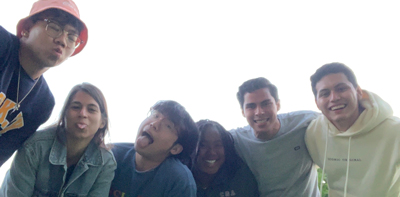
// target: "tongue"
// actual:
[[143, 141], [81, 126]]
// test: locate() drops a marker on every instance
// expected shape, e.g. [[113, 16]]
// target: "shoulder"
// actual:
[[176, 169], [391, 125], [316, 125], [299, 115], [7, 40], [9, 47], [41, 140], [47, 134], [297, 119], [177, 177], [123, 151], [246, 130], [108, 157]]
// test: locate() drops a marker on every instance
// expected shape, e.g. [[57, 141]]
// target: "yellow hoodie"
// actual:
[[365, 159]]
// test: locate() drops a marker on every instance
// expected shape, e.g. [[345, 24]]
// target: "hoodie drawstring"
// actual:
[[323, 168], [347, 170]]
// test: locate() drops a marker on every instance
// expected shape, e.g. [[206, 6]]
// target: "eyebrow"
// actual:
[[90, 104], [264, 101], [340, 84], [71, 30], [63, 25]]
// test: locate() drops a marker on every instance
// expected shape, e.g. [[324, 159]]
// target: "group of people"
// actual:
[[355, 140]]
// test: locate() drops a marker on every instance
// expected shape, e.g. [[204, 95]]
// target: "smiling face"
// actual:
[[43, 49], [211, 152], [156, 137], [338, 100], [260, 109], [83, 117]]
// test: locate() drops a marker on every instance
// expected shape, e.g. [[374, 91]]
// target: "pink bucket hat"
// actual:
[[65, 5]]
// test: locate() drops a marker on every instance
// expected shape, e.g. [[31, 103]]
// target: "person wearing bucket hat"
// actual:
[[51, 33]]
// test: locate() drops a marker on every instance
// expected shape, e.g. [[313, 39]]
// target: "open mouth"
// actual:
[[337, 107], [261, 120], [81, 125], [210, 161], [145, 134]]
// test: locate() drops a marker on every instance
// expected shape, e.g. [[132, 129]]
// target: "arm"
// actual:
[[246, 180], [101, 186], [20, 179]]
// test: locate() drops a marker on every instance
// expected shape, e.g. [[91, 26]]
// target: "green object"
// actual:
[[325, 188]]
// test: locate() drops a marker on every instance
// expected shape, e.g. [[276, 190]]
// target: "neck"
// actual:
[[145, 164], [32, 66], [203, 180], [75, 150], [344, 125]]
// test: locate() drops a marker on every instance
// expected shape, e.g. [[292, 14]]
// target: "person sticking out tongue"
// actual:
[[154, 165]]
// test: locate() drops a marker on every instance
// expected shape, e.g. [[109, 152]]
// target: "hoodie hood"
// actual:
[[375, 111]]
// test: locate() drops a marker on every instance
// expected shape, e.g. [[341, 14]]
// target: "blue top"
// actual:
[[241, 183], [40, 168], [17, 126], [170, 179]]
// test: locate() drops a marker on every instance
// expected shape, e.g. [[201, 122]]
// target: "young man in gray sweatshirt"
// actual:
[[273, 144]]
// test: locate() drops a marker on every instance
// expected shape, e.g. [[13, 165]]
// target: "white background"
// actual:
[[199, 52]]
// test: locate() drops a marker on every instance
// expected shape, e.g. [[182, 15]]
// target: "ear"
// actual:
[[359, 93], [243, 112], [103, 123], [176, 149], [24, 33], [28, 24], [317, 104], [278, 105]]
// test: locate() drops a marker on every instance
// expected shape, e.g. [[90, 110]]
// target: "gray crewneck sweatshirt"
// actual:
[[282, 165]]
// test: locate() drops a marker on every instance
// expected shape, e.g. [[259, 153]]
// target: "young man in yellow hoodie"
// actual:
[[357, 139]]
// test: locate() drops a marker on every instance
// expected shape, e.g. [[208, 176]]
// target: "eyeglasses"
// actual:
[[54, 30]]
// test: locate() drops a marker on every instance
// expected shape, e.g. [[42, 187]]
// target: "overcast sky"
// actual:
[[199, 52]]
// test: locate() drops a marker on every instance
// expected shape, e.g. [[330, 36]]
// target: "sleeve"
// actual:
[[101, 186], [20, 179], [251, 184], [249, 181], [310, 139], [5, 44]]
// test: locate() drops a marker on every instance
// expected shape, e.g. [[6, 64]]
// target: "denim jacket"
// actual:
[[40, 165]]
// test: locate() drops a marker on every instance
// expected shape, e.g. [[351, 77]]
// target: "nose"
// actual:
[[211, 151], [61, 40], [259, 110], [334, 96], [83, 113], [155, 124]]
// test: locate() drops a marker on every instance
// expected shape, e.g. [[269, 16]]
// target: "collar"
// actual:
[[58, 153]]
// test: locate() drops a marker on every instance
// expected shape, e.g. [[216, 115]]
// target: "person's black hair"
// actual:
[[252, 85], [188, 134]]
